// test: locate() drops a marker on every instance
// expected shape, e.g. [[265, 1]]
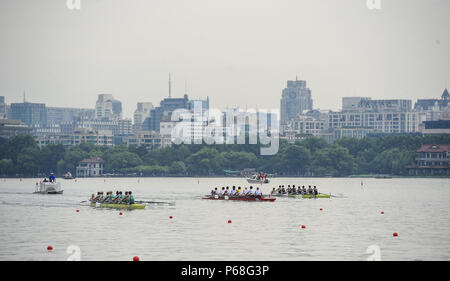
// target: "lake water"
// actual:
[[350, 227]]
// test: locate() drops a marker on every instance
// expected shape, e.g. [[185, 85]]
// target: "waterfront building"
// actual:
[[436, 127], [12, 128], [295, 99], [108, 107], [148, 139], [79, 136], [32, 114], [431, 160], [90, 167], [306, 125]]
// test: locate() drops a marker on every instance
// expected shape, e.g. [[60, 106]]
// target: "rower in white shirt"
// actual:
[[251, 192], [245, 192], [233, 191], [258, 192], [222, 192]]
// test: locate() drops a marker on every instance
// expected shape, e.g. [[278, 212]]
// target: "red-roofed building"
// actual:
[[431, 160]]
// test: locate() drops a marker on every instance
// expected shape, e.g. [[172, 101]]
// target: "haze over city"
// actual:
[[239, 53]]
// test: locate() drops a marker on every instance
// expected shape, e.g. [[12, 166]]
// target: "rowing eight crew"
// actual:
[[119, 198], [237, 192], [292, 190]]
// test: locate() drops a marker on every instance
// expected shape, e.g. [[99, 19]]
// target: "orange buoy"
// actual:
[[49, 248], [395, 234], [135, 258]]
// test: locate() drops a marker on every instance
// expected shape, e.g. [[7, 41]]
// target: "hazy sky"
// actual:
[[239, 52]]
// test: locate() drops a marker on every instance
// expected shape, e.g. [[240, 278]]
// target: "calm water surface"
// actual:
[[418, 209]]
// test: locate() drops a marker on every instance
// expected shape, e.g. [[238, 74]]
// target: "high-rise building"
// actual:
[[142, 111], [432, 109], [32, 114], [108, 107], [61, 115], [3, 112], [295, 99]]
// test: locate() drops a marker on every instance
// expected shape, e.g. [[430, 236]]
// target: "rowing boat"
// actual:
[[316, 196], [118, 206], [306, 196], [262, 199]]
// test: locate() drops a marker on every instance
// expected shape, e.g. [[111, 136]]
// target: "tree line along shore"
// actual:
[[388, 155]]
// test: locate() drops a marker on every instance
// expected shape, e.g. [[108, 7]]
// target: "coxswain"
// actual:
[[52, 178]]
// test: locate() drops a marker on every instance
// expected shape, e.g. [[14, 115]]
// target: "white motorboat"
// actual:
[[257, 179], [49, 188]]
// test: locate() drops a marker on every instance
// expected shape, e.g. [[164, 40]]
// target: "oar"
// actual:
[[155, 202]]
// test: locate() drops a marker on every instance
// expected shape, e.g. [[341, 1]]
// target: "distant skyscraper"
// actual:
[[2, 108], [295, 99], [142, 111], [32, 114], [108, 107]]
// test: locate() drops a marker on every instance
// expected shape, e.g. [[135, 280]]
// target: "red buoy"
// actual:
[[229, 221], [382, 213], [135, 258], [303, 226], [321, 209], [395, 234], [120, 214], [49, 248], [78, 211], [170, 217]]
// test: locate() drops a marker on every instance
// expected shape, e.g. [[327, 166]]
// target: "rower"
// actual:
[[222, 192], [92, 197], [315, 191], [125, 199], [273, 191], [251, 192], [96, 198], [233, 191], [240, 192], [309, 190], [227, 191], [245, 192], [258, 193], [131, 197], [216, 191], [212, 192]]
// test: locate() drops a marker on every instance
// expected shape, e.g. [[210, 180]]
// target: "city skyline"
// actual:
[[56, 55]]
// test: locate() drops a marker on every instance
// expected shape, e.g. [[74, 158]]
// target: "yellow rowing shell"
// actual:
[[316, 196], [119, 206]]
